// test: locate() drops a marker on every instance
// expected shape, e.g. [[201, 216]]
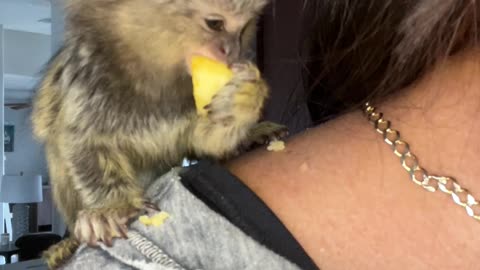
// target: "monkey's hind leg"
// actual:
[[111, 194], [57, 255], [68, 204]]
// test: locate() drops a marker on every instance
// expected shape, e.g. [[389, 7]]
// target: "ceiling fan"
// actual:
[[18, 106]]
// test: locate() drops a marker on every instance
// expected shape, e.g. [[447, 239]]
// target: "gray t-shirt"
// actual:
[[193, 237]]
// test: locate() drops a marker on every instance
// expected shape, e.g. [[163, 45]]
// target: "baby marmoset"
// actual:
[[115, 107]]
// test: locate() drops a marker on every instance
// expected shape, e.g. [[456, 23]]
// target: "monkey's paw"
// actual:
[[265, 132], [241, 100], [103, 225]]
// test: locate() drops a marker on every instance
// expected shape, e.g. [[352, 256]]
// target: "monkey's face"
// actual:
[[221, 29], [167, 33]]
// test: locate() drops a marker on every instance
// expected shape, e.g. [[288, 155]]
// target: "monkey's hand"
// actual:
[[230, 115], [241, 100]]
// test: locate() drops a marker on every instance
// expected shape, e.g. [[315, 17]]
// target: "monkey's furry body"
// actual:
[[115, 107]]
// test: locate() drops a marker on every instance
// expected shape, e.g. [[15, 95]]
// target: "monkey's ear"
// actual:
[[249, 33]]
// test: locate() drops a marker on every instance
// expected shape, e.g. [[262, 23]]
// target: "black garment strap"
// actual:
[[229, 197]]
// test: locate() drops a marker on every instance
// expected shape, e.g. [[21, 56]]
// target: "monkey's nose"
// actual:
[[230, 52], [224, 50]]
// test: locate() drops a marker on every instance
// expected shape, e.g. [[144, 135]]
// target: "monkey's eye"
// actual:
[[216, 25]]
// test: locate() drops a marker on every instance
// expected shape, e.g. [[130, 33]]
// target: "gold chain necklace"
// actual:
[[461, 196]]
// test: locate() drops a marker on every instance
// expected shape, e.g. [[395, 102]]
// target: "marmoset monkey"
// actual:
[[115, 107]]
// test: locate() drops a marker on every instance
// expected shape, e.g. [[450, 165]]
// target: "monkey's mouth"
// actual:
[[213, 54]]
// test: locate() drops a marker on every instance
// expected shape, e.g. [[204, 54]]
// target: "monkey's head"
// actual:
[[220, 29], [166, 33]]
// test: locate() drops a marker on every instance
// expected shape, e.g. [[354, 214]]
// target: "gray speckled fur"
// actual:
[[194, 236]]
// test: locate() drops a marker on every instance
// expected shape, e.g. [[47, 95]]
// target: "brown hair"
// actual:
[[368, 49]]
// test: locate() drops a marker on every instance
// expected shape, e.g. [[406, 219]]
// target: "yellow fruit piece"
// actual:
[[145, 220], [208, 77], [159, 219], [156, 220], [276, 146]]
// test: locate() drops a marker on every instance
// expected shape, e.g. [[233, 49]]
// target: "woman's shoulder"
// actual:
[[337, 146], [309, 186]]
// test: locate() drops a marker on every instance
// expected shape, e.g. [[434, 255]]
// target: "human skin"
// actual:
[[345, 197]]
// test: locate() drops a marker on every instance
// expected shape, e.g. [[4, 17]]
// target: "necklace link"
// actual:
[[419, 175]]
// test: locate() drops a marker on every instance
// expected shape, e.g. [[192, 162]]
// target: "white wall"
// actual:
[[58, 24], [28, 155], [2, 91], [26, 53], [25, 15]]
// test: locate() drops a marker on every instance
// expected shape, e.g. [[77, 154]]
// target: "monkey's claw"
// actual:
[[245, 71], [151, 208], [265, 132], [103, 225]]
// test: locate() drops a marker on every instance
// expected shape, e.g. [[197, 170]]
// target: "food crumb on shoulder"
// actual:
[[276, 146]]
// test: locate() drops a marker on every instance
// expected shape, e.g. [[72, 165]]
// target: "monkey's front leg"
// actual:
[[231, 114], [109, 193]]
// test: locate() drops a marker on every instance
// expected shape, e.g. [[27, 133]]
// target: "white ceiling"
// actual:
[[25, 15]]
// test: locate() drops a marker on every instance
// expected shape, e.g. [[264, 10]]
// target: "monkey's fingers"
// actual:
[[220, 109], [104, 233], [84, 230], [245, 71], [124, 230], [151, 206], [119, 219], [117, 228], [103, 225], [126, 216], [266, 132], [97, 231]]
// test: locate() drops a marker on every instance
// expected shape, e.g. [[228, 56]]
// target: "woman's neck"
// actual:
[[439, 116]]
